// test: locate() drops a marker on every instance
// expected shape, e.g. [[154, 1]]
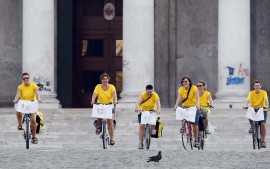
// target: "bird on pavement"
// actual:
[[155, 158]]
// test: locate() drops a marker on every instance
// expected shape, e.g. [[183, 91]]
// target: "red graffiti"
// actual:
[[243, 71]]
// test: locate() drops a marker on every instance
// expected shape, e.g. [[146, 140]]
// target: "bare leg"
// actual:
[[251, 123], [206, 122], [111, 128], [195, 131], [263, 131], [141, 133], [33, 124], [99, 122], [19, 118]]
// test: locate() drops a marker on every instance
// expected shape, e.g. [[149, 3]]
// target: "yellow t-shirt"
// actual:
[[191, 101], [257, 100], [104, 97], [204, 100], [28, 92], [150, 104]]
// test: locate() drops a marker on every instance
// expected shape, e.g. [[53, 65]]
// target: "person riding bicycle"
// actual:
[[148, 100], [27, 91], [189, 96], [106, 93], [206, 102], [258, 98]]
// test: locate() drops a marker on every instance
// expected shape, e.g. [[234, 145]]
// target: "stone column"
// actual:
[[138, 49], [233, 51], [39, 48]]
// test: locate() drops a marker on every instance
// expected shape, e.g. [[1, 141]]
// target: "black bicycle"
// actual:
[[147, 132], [202, 132], [256, 132]]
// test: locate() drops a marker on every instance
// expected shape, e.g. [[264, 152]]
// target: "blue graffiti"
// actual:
[[231, 70], [235, 80]]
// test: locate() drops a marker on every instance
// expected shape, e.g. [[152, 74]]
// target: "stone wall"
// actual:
[[10, 49], [185, 44], [260, 42]]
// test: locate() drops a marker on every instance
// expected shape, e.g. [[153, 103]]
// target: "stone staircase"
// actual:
[[73, 129]]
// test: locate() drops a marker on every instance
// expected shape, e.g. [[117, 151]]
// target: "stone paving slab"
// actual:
[[115, 159]]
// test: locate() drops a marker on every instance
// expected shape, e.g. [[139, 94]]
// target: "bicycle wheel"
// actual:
[[147, 136], [259, 140], [104, 135], [27, 133], [190, 131], [202, 142], [185, 134], [254, 135]]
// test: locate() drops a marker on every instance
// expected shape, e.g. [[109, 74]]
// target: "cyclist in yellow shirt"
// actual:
[[205, 101], [189, 96], [27, 91], [258, 98], [106, 93], [148, 100]]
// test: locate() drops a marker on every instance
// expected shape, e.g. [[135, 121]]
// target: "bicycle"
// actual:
[[256, 131], [148, 120], [104, 136], [202, 132], [27, 107], [186, 129]]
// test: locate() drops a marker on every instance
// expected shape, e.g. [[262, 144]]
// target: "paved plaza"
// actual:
[[68, 140]]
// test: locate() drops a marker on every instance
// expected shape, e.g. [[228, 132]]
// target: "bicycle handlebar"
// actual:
[[151, 111], [253, 107], [107, 103]]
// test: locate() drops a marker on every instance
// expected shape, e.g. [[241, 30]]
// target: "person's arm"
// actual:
[[266, 103], [114, 97], [178, 100], [158, 106], [17, 96], [37, 95], [94, 96], [210, 100], [247, 103], [197, 99], [137, 106]]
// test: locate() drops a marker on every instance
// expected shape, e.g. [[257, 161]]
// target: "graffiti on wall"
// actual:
[[42, 83], [237, 78], [125, 64]]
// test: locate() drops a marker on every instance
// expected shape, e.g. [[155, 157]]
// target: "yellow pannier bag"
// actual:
[[158, 129], [40, 121]]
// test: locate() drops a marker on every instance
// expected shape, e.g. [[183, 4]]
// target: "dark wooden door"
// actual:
[[98, 49]]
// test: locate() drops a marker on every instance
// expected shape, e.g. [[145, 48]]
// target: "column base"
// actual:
[[128, 100], [230, 100], [49, 102]]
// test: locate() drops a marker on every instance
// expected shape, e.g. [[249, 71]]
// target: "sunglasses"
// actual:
[[26, 78], [184, 81]]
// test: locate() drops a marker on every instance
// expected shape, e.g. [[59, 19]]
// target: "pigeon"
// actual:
[[155, 158], [230, 106]]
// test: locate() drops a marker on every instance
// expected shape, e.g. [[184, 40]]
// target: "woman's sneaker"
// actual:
[[207, 131], [263, 145], [140, 146]]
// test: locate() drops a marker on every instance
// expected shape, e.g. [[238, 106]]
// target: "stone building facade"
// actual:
[[224, 42]]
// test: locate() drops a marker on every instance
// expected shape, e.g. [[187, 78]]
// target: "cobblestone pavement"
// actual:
[[16, 159]]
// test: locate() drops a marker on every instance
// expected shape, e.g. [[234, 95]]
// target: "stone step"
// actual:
[[73, 128]]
